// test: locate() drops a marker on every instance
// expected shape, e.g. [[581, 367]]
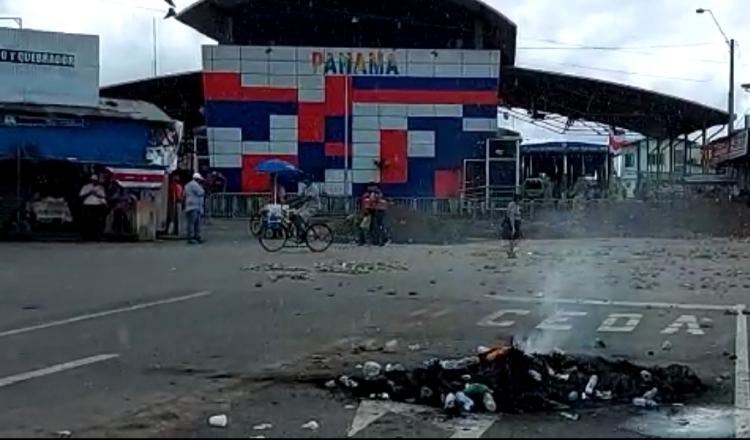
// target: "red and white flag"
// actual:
[[615, 143]]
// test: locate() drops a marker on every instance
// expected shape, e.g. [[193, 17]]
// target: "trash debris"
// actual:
[[391, 346], [262, 427], [218, 421], [330, 384], [415, 347], [598, 343], [312, 425], [507, 379], [64, 434], [570, 416], [666, 346], [706, 323], [371, 370]]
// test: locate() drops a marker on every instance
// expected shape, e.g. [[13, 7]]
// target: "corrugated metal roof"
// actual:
[[107, 108]]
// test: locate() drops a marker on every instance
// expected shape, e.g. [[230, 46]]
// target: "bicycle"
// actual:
[[276, 224]]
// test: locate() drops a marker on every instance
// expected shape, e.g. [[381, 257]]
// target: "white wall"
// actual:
[[54, 68]]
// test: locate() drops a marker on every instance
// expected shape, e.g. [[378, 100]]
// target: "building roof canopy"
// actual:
[[615, 105]]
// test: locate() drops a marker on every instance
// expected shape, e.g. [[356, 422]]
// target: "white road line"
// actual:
[[10, 380], [417, 313], [102, 314], [741, 378], [440, 313], [604, 302]]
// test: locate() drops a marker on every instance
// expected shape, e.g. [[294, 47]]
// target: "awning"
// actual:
[[137, 178]]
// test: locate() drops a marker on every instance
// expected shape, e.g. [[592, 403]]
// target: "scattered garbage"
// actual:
[[312, 425], [262, 427], [507, 379], [391, 346], [415, 347], [570, 416], [64, 434], [218, 421], [666, 346]]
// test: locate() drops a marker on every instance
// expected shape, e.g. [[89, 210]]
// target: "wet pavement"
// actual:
[[196, 331]]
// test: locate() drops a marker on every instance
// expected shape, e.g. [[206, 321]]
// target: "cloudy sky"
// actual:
[[655, 44]]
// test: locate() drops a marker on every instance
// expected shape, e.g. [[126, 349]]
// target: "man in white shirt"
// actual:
[[311, 205], [94, 209]]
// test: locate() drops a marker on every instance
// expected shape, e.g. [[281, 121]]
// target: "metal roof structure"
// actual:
[[180, 96], [339, 23], [107, 108], [649, 113]]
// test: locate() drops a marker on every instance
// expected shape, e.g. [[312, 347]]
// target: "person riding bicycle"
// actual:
[[309, 204]]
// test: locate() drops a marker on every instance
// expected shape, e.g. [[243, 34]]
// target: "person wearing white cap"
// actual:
[[195, 197]]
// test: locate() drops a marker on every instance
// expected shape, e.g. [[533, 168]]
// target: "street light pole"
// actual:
[[730, 43]]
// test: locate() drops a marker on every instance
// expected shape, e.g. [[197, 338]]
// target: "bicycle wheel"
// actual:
[[318, 237], [273, 238], [254, 225]]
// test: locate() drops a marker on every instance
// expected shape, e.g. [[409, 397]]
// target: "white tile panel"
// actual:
[[422, 110], [448, 70], [367, 136], [305, 54], [254, 66], [224, 134], [254, 79], [393, 122], [225, 65], [283, 53], [477, 70], [421, 137], [255, 147], [476, 57], [282, 67], [226, 52], [391, 110], [311, 82], [226, 160], [495, 71], [449, 110], [289, 81], [334, 175], [311, 95], [420, 150], [420, 70], [364, 162], [306, 67], [480, 124], [283, 134], [254, 53], [225, 147], [366, 149], [449, 57], [365, 176], [283, 121], [207, 53], [495, 57], [283, 147], [338, 188], [364, 109], [420, 56], [364, 122]]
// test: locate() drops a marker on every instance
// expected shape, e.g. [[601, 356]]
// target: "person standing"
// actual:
[[512, 225], [195, 199], [94, 209], [176, 195]]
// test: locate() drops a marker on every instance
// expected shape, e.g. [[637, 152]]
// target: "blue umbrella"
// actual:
[[275, 166]]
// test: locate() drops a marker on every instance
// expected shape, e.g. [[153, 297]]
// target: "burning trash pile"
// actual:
[[508, 380]]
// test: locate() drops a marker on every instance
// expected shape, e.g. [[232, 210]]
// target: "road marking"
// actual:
[[609, 324], [604, 302], [369, 411], [440, 313], [417, 313], [10, 380], [741, 378], [102, 314], [558, 321], [685, 320], [492, 320]]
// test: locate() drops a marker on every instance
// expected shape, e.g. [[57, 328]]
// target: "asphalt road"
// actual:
[[150, 339]]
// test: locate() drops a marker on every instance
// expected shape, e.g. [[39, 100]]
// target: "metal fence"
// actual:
[[243, 205]]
